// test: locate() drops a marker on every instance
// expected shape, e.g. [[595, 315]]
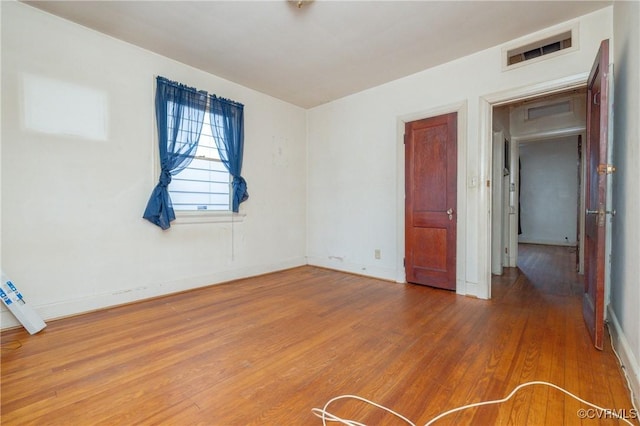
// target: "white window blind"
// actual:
[[204, 185]]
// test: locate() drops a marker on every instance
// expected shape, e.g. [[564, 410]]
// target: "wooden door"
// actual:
[[497, 204], [596, 193], [430, 206]]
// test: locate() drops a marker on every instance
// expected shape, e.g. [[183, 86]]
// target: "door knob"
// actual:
[[450, 213]]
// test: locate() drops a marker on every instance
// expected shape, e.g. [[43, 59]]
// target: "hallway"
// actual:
[[551, 270]]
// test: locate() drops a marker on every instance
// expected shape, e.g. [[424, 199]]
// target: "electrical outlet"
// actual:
[[377, 253]]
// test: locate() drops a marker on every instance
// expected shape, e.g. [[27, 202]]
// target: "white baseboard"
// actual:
[[105, 300], [525, 240], [339, 264], [472, 289], [627, 358]]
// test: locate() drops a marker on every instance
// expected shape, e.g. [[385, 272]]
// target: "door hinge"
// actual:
[[601, 212], [606, 169], [404, 261]]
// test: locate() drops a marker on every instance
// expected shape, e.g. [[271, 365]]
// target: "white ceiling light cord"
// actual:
[[325, 415]]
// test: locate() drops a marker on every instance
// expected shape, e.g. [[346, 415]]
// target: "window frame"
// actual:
[[185, 217]]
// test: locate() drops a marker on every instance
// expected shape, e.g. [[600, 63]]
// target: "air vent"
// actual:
[[563, 41]]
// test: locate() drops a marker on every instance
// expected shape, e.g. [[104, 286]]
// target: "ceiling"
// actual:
[[323, 50]]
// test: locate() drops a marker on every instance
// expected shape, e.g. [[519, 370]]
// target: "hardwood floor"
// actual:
[[266, 350], [548, 269]]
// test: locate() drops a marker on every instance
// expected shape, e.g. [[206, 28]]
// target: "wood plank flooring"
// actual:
[[266, 350]]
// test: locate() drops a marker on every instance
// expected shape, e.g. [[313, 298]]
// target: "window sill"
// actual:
[[190, 218]]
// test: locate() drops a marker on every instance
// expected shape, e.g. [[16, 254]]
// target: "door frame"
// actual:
[[487, 103], [461, 109], [499, 219]]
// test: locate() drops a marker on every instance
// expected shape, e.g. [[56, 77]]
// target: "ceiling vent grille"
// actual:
[[540, 48]]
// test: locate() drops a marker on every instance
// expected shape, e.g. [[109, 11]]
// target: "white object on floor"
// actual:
[[23, 312]]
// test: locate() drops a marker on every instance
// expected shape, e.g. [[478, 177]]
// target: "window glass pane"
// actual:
[[206, 144], [218, 130], [204, 184]]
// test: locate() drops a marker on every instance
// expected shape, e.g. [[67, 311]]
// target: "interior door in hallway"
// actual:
[[596, 194], [430, 205]]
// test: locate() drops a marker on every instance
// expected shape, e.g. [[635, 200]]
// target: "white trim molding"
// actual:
[[628, 362]]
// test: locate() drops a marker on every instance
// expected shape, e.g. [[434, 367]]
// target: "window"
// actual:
[[182, 115], [536, 112], [204, 185]]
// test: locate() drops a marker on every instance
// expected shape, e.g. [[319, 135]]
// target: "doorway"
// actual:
[[537, 195]]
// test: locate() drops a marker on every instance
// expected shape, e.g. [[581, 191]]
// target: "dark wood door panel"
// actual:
[[596, 195], [430, 210]]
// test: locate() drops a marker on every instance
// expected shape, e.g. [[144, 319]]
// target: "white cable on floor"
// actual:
[[326, 415], [624, 371]]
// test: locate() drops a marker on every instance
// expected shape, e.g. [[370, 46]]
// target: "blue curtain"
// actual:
[[179, 115], [227, 122]]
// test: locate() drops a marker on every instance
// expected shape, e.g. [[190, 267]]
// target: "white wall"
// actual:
[[549, 191], [501, 121], [623, 313], [356, 172], [72, 234]]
